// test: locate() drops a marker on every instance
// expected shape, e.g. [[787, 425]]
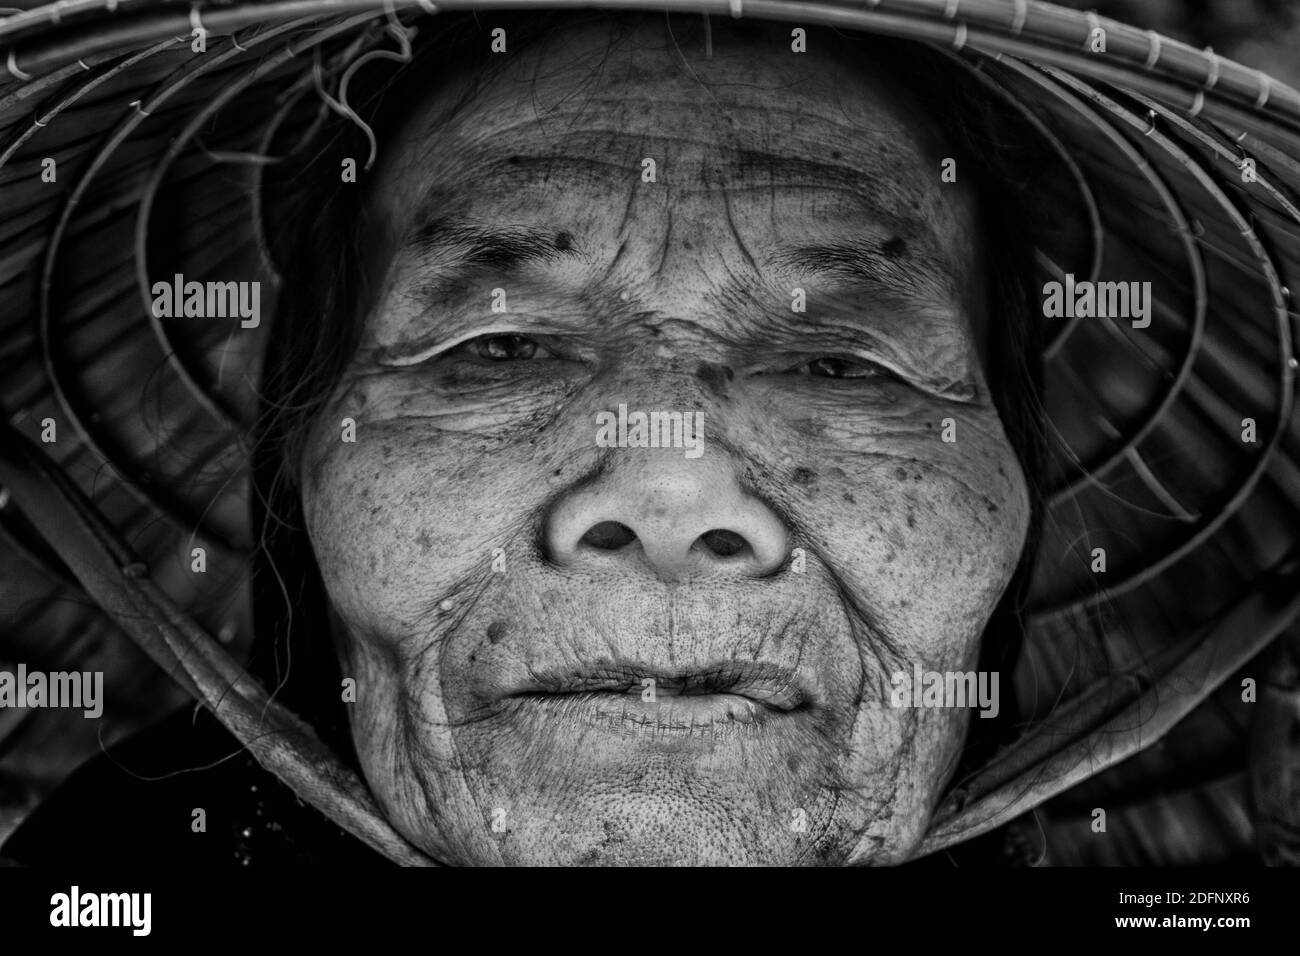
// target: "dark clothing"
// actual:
[[134, 806]]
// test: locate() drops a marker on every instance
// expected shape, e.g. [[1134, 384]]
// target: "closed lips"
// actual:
[[768, 684], [665, 701]]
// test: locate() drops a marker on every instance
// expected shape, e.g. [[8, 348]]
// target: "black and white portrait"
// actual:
[[851, 434]]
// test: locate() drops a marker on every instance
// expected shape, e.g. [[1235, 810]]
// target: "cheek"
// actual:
[[406, 520], [925, 533], [390, 541]]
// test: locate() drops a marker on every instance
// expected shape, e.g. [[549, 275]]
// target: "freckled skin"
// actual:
[[672, 303]]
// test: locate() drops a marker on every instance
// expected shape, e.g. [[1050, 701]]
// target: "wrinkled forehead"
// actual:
[[822, 140]]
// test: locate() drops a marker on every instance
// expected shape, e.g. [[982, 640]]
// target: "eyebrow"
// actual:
[[880, 267], [462, 242]]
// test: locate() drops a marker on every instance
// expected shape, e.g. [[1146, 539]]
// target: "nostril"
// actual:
[[609, 536], [725, 544]]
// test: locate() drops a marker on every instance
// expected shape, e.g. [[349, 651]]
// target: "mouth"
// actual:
[[708, 702]]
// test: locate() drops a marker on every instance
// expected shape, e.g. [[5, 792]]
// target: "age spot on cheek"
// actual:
[[804, 477], [715, 377]]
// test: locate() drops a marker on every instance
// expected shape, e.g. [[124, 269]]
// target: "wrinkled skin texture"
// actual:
[[821, 432]]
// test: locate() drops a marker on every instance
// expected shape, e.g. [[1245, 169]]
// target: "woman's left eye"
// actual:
[[834, 367], [505, 348]]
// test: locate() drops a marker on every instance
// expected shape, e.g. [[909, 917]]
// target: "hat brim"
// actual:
[[1148, 458]]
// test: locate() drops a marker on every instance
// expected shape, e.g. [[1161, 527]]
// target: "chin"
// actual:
[[583, 783]]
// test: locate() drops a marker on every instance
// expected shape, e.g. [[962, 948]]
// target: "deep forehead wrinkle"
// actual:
[[892, 267], [880, 202]]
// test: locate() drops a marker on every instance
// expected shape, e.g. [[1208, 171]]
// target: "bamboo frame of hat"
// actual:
[[53, 360], [1072, 89], [1246, 102], [1020, 28], [180, 141]]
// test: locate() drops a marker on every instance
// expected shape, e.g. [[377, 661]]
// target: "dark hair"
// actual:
[[316, 331]]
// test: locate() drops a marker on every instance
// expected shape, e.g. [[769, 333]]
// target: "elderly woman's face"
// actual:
[[570, 648]]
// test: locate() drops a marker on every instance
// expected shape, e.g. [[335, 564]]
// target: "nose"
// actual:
[[677, 517]]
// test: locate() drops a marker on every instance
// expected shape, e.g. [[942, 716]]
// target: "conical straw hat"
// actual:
[[1171, 447]]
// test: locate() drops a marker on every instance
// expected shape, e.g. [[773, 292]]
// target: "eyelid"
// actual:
[[423, 350], [897, 371], [966, 392], [851, 356]]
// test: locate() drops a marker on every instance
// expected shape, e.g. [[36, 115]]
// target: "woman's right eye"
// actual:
[[835, 367], [503, 348]]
